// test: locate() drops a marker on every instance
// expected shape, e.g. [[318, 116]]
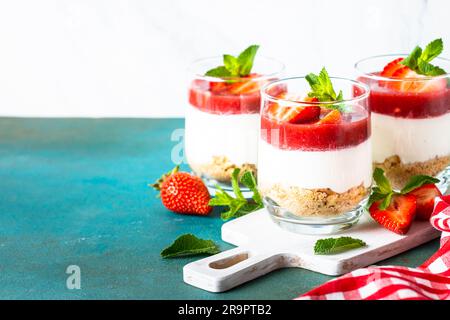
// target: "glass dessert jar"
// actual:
[[410, 119], [314, 158], [222, 120]]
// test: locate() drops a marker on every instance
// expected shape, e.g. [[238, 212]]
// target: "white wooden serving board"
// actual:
[[262, 246]]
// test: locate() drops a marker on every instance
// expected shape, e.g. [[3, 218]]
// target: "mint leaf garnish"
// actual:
[[239, 66], [189, 245], [419, 60], [246, 59], [322, 89], [383, 190], [381, 181], [248, 180], [337, 245], [238, 205], [416, 182], [219, 72], [432, 50]]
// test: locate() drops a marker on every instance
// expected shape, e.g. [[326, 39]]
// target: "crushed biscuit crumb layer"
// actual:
[[399, 173]]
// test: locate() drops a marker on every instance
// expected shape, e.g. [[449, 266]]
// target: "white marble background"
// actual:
[[114, 58]]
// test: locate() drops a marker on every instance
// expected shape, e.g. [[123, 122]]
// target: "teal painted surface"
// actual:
[[74, 192]]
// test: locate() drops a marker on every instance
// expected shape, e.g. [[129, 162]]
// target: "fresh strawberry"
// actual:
[[218, 86], [334, 116], [398, 216], [245, 86], [425, 196], [296, 114], [184, 193], [311, 99], [395, 70], [391, 68]]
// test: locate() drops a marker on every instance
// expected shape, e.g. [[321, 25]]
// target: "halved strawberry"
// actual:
[[296, 114], [218, 86], [398, 216], [334, 116], [391, 67], [416, 84], [245, 87], [425, 196]]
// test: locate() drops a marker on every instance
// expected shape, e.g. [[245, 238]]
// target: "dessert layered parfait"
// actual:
[[410, 103], [222, 119], [315, 147]]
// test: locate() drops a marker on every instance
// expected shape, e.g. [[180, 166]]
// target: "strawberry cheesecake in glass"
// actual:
[[222, 119], [314, 160], [410, 119]]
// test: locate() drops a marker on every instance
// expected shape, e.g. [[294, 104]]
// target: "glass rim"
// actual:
[[225, 79], [266, 96], [373, 76]]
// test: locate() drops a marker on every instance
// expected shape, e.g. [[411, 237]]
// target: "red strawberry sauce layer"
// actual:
[[415, 105], [351, 131], [215, 97]]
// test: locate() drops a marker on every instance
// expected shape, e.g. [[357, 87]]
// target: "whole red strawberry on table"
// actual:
[[184, 193], [396, 210]]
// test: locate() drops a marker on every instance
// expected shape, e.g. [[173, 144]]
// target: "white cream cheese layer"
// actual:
[[234, 136], [339, 170], [413, 140]]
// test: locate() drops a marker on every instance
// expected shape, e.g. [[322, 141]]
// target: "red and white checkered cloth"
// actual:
[[429, 281]]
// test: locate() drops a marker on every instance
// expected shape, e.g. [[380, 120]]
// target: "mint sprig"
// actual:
[[189, 245], [337, 245], [239, 66], [383, 190], [238, 205], [322, 89], [419, 60]]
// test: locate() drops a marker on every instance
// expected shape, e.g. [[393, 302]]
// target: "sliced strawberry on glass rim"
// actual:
[[425, 196], [398, 216]]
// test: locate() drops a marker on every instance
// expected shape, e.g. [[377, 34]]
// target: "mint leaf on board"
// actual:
[[238, 205], [418, 181], [337, 245], [189, 245], [322, 89], [235, 67], [419, 60]]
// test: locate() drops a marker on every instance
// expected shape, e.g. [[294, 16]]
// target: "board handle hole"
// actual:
[[229, 262]]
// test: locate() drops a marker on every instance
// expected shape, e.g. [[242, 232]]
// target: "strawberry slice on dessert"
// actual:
[[391, 68], [425, 196], [398, 216], [246, 85], [418, 83], [296, 114], [334, 116]]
